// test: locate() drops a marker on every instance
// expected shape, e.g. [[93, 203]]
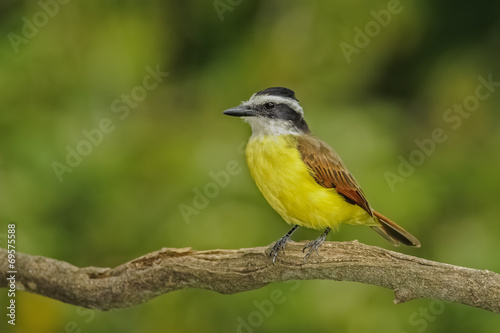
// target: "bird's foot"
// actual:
[[280, 245], [315, 244]]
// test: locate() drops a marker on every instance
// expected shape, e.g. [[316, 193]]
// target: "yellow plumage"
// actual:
[[287, 184]]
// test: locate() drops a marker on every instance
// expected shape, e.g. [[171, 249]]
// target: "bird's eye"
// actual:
[[269, 105]]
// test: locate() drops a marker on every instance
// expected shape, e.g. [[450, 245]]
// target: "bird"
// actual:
[[302, 177]]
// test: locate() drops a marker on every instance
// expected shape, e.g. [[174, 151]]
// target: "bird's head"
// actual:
[[273, 111]]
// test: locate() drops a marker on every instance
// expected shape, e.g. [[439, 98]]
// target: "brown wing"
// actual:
[[329, 171]]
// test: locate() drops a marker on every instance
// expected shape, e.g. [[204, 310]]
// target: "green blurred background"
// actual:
[[63, 74]]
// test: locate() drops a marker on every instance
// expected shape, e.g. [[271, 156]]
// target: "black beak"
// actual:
[[240, 111]]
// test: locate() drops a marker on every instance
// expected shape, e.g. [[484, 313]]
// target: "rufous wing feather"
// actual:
[[329, 171]]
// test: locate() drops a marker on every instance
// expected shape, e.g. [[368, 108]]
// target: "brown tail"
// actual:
[[393, 232]]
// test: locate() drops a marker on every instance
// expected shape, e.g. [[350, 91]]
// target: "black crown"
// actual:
[[278, 91]]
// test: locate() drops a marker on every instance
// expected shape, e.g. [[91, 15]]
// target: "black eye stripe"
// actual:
[[269, 105], [285, 112]]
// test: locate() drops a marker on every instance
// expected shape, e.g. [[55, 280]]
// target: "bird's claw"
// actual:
[[313, 246], [280, 245]]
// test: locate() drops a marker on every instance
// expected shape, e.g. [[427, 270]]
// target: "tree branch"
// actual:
[[231, 271]]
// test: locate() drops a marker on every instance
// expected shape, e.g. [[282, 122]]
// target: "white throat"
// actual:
[[266, 126]]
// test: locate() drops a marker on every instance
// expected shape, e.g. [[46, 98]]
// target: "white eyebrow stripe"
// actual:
[[261, 99]]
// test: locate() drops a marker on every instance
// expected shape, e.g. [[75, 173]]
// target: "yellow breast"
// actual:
[[287, 184]]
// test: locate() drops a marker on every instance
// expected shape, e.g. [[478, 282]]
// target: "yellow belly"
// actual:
[[287, 184]]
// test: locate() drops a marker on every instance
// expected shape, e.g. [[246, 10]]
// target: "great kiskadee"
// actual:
[[300, 176]]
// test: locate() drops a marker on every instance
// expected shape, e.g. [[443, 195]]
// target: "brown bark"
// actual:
[[231, 271]]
